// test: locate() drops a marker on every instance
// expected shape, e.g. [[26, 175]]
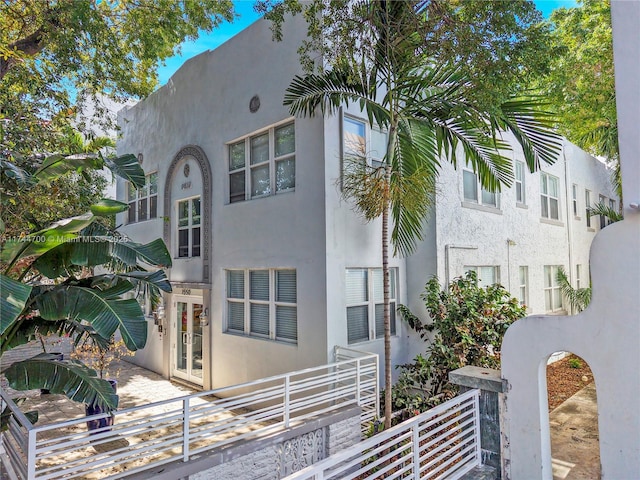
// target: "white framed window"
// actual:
[[552, 291], [574, 199], [473, 192], [263, 164], [363, 141], [365, 303], [549, 196], [523, 285], [263, 303], [519, 183], [143, 202], [602, 200], [487, 274], [578, 276], [587, 206], [189, 232]]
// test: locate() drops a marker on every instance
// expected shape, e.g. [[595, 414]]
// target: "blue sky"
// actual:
[[246, 16]]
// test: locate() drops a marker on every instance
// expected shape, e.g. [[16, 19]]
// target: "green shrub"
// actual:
[[469, 322], [575, 363]]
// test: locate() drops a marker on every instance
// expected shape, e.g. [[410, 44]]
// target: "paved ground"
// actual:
[[136, 387], [574, 437]]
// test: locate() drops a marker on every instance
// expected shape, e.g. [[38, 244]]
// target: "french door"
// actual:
[[187, 339]]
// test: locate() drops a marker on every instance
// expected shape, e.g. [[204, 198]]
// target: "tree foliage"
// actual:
[[469, 322], [581, 81], [48, 284], [499, 46], [51, 47]]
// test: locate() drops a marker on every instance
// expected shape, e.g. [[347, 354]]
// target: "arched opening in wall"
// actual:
[[573, 419]]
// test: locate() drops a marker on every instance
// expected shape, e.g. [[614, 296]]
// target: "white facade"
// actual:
[[273, 271]]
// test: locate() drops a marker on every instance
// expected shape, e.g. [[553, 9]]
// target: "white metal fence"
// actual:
[[443, 442], [151, 435]]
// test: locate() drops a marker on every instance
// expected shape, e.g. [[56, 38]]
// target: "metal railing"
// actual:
[[145, 437], [443, 442], [369, 396]]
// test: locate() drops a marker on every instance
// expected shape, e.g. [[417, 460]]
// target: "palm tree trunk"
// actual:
[[386, 309]]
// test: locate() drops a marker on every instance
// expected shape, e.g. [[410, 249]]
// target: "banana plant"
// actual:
[[48, 285]]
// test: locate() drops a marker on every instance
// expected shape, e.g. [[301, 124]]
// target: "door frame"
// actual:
[[189, 299]]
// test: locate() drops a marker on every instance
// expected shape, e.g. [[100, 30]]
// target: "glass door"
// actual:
[[187, 343]]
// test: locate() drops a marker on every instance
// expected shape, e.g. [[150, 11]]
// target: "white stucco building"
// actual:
[[248, 200]]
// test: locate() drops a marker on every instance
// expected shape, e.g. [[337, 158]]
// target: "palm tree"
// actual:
[[428, 112]]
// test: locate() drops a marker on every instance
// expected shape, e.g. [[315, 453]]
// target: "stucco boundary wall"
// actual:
[[270, 456]]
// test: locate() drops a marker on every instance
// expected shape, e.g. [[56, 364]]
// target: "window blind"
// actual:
[[286, 322], [356, 284], [357, 324], [259, 319], [259, 285]]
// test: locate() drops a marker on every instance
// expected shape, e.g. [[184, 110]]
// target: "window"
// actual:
[[143, 202], [587, 206], [574, 199], [263, 303], [552, 292], [365, 303], [472, 191], [520, 192], [357, 146], [523, 289], [549, 196], [487, 275], [189, 228], [612, 206], [602, 200], [263, 164], [578, 276]]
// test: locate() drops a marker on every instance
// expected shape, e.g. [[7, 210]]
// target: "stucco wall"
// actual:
[[206, 103], [479, 236], [313, 229]]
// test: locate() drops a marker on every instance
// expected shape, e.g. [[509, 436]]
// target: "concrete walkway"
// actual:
[[574, 437], [136, 386]]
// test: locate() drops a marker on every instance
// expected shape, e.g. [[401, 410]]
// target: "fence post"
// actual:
[[415, 430], [31, 454], [489, 383], [476, 421], [358, 382], [377, 374], [287, 385], [185, 429]]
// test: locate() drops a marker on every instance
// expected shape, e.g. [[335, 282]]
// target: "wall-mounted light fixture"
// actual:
[[159, 316], [204, 317]]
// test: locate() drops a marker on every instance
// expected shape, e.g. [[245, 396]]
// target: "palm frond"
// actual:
[[103, 310], [126, 167], [605, 211], [334, 88], [533, 128], [67, 377], [13, 298], [97, 247], [414, 171], [578, 298]]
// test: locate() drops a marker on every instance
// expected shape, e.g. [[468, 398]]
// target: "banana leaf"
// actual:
[[104, 312], [68, 377], [13, 298]]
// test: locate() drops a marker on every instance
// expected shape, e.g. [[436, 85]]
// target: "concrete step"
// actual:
[[483, 472]]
